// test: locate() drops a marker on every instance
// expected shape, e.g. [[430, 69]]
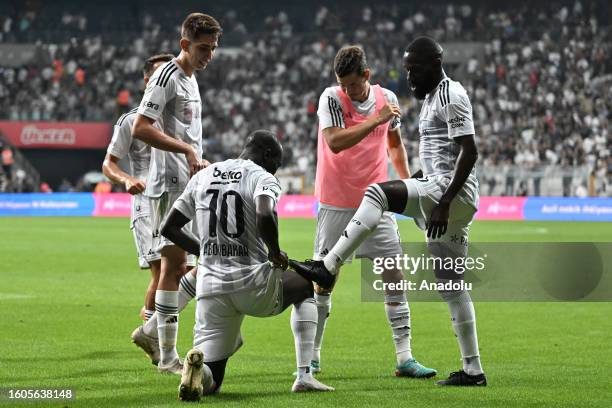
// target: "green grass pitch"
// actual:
[[70, 293]]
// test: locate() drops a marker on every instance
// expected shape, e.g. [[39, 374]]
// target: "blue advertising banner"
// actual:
[[40, 204], [568, 209], [493, 208]]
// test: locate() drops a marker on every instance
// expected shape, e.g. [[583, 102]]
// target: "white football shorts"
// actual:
[[219, 317], [143, 238], [331, 223], [160, 208]]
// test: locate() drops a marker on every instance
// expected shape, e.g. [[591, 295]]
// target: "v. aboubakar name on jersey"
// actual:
[[213, 248]]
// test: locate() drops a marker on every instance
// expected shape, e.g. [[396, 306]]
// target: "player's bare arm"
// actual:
[[339, 139], [397, 153], [465, 163], [111, 169], [144, 130], [267, 227], [172, 229]]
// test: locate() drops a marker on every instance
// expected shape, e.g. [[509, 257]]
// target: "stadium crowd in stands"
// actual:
[[541, 89]]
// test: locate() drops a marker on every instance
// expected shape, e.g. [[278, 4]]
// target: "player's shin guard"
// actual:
[[324, 305], [364, 221], [304, 326], [166, 306], [463, 317], [398, 315]]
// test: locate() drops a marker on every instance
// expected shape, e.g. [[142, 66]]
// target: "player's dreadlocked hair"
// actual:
[[197, 24], [350, 59], [147, 68]]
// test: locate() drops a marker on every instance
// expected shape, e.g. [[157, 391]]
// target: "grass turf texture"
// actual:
[[70, 293]]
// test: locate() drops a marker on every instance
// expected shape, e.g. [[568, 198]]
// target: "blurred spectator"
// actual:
[[541, 92], [45, 188], [103, 187], [7, 161]]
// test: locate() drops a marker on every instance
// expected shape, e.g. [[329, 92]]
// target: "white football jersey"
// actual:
[[330, 108], [138, 153], [446, 114], [173, 100], [221, 198]]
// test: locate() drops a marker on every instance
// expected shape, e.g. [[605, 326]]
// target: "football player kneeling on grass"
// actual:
[[241, 270]]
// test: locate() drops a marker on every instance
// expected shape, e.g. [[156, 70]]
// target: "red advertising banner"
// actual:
[[57, 135]]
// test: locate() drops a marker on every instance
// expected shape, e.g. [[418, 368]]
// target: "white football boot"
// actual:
[[309, 384], [175, 368], [196, 377], [150, 345]]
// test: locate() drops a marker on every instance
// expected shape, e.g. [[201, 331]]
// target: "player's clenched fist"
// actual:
[[388, 112], [134, 186]]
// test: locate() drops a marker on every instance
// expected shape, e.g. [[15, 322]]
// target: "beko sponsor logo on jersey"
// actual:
[[227, 175], [457, 122]]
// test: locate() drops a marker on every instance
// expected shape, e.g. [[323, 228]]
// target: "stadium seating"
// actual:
[[539, 76]]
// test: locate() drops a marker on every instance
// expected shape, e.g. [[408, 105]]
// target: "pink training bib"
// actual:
[[343, 178]]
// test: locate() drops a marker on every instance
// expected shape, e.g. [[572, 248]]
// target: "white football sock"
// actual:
[[399, 320], [364, 221], [324, 305], [148, 314], [304, 326], [150, 326], [166, 306], [463, 318], [186, 292]]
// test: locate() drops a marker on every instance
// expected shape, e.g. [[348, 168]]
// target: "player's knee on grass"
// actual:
[[295, 289], [217, 368]]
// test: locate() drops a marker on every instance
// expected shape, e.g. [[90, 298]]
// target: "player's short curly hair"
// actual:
[[350, 59], [197, 24], [147, 68]]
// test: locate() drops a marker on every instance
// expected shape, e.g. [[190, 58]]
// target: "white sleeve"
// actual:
[[186, 202], [392, 98], [330, 110], [457, 114], [160, 90], [267, 185], [122, 137]]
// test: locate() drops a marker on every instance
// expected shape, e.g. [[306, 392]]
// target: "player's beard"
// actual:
[[418, 92], [425, 86]]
